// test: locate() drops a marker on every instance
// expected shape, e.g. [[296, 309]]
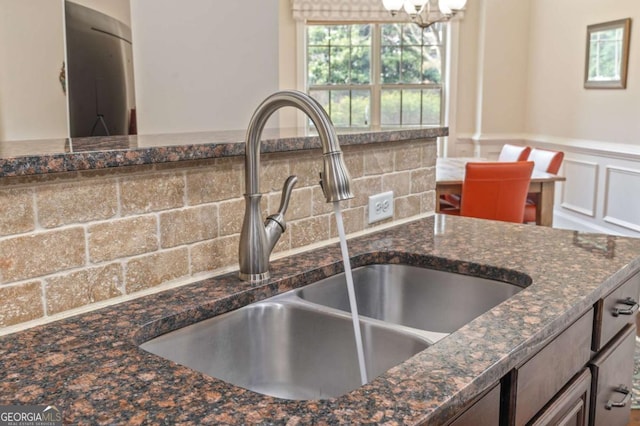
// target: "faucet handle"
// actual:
[[284, 203], [275, 224], [286, 194]]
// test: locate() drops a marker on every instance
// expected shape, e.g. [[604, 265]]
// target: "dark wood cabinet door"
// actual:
[[485, 412], [612, 373], [570, 407]]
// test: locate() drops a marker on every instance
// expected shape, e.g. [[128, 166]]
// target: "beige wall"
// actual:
[[557, 103], [288, 54], [202, 65], [521, 71], [32, 103], [493, 67]]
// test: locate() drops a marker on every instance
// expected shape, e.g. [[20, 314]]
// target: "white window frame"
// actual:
[[376, 86]]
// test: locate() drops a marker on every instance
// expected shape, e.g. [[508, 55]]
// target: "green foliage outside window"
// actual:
[[340, 74]]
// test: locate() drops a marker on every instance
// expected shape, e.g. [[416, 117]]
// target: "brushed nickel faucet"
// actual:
[[257, 239]]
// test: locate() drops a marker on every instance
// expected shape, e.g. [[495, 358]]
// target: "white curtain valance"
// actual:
[[339, 10], [349, 10]]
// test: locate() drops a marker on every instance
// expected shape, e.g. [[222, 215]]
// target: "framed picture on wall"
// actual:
[[607, 55]]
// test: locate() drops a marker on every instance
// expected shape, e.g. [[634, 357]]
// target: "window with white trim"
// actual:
[[377, 74]]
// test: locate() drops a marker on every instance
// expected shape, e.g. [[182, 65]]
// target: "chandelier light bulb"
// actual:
[[456, 4], [443, 5], [393, 6], [414, 7]]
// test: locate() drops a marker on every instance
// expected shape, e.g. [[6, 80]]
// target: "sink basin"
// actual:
[[287, 350], [425, 299]]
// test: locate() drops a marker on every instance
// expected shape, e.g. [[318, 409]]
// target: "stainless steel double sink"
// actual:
[[300, 344]]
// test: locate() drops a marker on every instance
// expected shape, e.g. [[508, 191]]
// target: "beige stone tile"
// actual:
[[429, 154], [399, 183], [231, 214], [20, 303], [224, 181], [273, 173], [284, 243], [76, 202], [299, 204], [149, 193], [188, 225], [354, 160], [16, 211], [211, 255], [354, 221], [81, 288], [378, 161], [428, 202], [307, 168], [407, 206], [152, 270], [423, 180], [39, 254], [363, 188], [121, 238], [319, 202], [309, 231], [408, 158], [8, 182]]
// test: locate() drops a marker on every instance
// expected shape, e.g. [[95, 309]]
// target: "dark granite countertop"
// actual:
[[24, 158], [90, 366]]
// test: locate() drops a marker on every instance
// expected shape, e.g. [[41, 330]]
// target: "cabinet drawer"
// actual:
[[571, 406], [542, 377], [615, 311], [484, 412], [612, 374]]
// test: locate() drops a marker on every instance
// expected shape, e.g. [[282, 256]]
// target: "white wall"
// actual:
[[203, 65], [32, 103]]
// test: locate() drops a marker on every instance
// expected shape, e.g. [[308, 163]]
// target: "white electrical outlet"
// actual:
[[380, 206]]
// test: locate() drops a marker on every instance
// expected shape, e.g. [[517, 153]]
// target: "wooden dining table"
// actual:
[[450, 175]]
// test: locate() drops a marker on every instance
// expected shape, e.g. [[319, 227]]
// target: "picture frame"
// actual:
[[607, 55]]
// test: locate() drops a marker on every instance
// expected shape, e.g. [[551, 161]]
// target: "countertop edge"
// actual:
[[95, 153]]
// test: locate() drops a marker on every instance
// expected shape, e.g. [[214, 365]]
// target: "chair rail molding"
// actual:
[[601, 176]]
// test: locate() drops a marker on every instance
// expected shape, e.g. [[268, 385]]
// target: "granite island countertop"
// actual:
[[41, 157], [92, 369]]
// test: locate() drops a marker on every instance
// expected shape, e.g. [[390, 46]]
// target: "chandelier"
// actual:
[[420, 10]]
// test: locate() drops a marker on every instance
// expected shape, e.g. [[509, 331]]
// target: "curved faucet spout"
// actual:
[[256, 243]]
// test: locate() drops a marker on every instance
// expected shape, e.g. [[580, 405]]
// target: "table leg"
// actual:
[[544, 210]]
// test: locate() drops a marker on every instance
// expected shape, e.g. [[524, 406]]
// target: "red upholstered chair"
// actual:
[[545, 161], [514, 153], [508, 153], [495, 190]]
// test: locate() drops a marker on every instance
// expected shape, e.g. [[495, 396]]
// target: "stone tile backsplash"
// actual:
[[69, 240]]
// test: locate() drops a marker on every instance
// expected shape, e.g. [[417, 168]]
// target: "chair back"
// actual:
[[546, 160], [513, 153], [496, 190]]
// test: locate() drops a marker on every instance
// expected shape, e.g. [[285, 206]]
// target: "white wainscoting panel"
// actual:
[[622, 201], [580, 191]]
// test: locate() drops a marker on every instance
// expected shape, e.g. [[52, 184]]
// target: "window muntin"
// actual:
[[377, 74]]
